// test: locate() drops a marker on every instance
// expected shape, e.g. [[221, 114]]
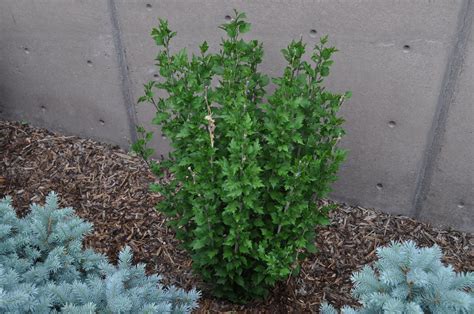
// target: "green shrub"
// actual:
[[44, 269], [407, 279], [246, 168]]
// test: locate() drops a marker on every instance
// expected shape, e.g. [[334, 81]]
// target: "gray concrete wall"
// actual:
[[409, 65], [59, 69]]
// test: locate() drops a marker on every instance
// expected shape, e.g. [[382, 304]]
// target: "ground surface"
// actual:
[[110, 188]]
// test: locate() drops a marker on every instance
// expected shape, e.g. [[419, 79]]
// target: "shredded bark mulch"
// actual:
[[109, 188]]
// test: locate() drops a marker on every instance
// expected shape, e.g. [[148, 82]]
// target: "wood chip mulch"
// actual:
[[109, 188]]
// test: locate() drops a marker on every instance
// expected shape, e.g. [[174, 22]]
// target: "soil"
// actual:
[[109, 187]]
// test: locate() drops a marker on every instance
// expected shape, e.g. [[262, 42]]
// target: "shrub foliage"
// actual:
[[407, 279], [44, 269], [247, 168]]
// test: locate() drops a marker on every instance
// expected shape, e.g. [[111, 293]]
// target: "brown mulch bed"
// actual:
[[109, 188]]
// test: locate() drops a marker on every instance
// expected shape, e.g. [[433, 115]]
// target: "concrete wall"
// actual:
[[78, 66]]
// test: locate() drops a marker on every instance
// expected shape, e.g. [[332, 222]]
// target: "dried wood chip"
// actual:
[[109, 188]]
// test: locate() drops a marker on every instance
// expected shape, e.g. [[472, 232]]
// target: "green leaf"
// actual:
[[324, 40], [184, 132], [311, 248], [142, 99], [326, 53], [240, 281], [212, 253], [218, 70], [231, 31], [140, 129], [264, 80], [324, 71], [324, 221], [328, 63], [204, 47], [198, 244], [273, 181], [156, 188], [244, 28], [240, 15], [159, 118], [159, 40]]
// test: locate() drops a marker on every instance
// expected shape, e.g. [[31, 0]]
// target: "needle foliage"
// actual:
[[412, 280], [44, 269]]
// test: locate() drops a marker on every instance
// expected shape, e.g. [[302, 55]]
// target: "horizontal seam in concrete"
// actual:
[[124, 75], [445, 99]]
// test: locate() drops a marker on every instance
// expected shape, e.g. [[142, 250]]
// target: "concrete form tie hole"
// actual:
[[148, 6], [313, 33], [461, 205], [391, 124], [43, 108], [89, 63], [102, 122], [27, 51], [406, 48], [379, 186], [228, 18]]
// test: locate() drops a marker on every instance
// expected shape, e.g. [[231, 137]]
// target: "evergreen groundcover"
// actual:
[[44, 269]]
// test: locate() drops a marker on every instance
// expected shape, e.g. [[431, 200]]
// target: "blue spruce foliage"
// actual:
[[408, 279], [44, 269]]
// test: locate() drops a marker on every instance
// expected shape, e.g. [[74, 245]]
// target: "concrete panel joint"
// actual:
[[445, 100], [124, 77]]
